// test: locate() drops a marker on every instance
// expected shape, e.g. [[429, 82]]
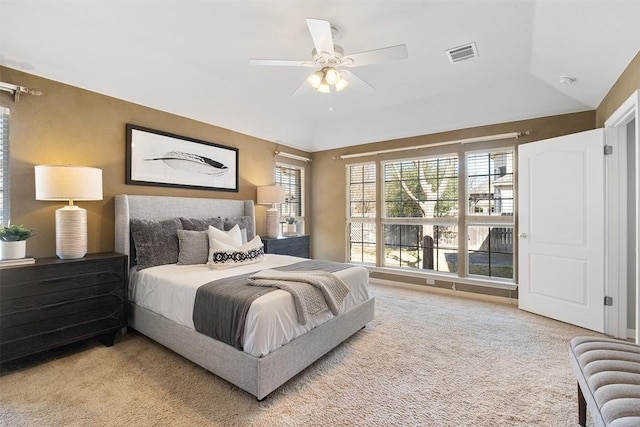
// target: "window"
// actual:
[[490, 214], [420, 214], [4, 165], [490, 251], [490, 183], [292, 179], [361, 213], [435, 217]]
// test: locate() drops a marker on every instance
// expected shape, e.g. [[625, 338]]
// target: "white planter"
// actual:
[[13, 250], [291, 229]]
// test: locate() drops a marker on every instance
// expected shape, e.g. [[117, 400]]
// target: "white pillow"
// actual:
[[232, 237], [222, 255]]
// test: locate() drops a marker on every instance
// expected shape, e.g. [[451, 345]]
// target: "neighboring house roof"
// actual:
[[504, 181]]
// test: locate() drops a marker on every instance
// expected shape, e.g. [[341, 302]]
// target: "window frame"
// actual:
[[284, 210], [361, 219]]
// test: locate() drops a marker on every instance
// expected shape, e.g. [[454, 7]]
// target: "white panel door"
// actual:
[[561, 228]]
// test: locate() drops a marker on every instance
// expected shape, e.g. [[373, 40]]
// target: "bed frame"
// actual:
[[256, 375]]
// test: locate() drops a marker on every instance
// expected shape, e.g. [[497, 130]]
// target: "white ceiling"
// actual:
[[191, 58]]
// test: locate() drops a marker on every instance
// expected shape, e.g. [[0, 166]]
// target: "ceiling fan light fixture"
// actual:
[[323, 80], [324, 87], [331, 75], [315, 79], [329, 57], [341, 84]]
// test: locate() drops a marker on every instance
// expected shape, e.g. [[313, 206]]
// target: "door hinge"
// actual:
[[608, 150], [608, 300]]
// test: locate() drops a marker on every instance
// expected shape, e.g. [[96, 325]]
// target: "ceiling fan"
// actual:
[[331, 60]]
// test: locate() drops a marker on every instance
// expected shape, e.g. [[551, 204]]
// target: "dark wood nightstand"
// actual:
[[287, 245], [55, 302]]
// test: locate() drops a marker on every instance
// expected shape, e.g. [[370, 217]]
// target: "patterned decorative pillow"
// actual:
[[194, 247], [156, 242], [201, 224], [222, 255], [244, 222]]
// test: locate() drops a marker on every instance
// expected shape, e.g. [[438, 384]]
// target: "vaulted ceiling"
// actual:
[[191, 58]]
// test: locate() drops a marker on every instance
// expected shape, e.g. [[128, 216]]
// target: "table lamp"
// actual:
[[270, 195], [69, 183]]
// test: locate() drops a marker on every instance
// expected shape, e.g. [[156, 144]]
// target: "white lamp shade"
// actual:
[[270, 194], [67, 182]]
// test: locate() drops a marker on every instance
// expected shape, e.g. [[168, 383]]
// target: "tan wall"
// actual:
[[328, 234], [68, 125], [627, 83]]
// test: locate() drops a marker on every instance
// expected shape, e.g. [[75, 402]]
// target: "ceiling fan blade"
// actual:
[[355, 82], [391, 53], [281, 62], [321, 34]]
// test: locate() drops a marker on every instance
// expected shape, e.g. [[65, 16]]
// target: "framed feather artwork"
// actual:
[[164, 159]]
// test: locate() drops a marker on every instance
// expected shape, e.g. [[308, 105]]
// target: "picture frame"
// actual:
[[164, 159]]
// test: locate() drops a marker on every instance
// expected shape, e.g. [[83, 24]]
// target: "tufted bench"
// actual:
[[608, 373]]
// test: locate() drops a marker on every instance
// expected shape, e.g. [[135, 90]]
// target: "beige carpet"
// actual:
[[426, 359]]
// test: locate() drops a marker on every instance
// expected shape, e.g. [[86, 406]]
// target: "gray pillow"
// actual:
[[201, 224], [244, 222], [194, 247], [156, 242]]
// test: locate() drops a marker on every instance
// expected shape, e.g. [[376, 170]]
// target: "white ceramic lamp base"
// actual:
[[71, 232], [272, 223]]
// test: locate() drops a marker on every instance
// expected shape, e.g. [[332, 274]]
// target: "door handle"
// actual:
[[523, 235]]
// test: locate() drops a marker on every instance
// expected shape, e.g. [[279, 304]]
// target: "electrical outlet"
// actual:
[[431, 282]]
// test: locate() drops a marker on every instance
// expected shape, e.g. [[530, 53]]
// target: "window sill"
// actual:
[[488, 283]]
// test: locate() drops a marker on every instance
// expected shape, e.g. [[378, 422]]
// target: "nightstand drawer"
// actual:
[[48, 316], [47, 340], [14, 299], [45, 276]]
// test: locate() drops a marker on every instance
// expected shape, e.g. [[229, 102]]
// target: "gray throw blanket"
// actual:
[[221, 306], [312, 291]]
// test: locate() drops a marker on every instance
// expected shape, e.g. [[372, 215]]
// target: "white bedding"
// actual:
[[170, 291]]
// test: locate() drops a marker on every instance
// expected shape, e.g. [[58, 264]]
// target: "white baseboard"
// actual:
[[450, 292]]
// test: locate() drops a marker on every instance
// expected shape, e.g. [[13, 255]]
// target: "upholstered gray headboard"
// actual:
[[129, 207]]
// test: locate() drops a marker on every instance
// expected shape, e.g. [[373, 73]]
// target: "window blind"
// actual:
[[4, 165], [291, 178]]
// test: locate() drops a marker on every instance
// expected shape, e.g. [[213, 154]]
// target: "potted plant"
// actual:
[[291, 225], [13, 241]]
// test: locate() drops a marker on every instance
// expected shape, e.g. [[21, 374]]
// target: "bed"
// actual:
[[263, 366]]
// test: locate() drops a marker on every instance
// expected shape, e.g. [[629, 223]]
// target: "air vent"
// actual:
[[462, 53]]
